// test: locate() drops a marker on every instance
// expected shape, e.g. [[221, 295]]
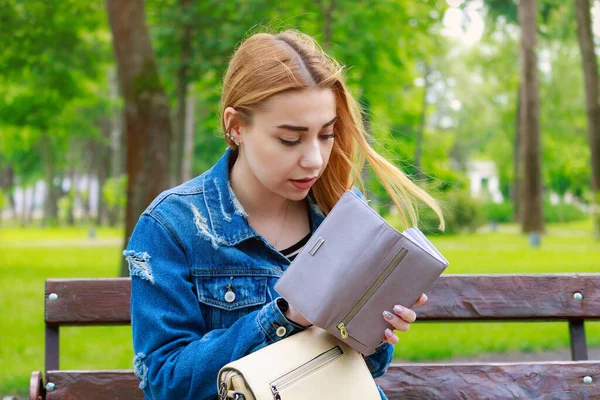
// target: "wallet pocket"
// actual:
[[343, 324], [304, 370]]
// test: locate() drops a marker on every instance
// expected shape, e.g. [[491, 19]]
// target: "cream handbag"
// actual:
[[312, 364]]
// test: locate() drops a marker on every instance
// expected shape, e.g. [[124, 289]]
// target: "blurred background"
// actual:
[[490, 105]]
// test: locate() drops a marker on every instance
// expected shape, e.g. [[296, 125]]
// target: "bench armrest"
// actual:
[[36, 386]]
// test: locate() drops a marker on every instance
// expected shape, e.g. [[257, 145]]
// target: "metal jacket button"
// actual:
[[229, 295], [281, 331]]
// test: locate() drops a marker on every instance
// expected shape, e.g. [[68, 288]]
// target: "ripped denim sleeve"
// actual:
[[139, 264], [140, 369]]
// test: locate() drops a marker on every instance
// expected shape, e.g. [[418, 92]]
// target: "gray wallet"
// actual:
[[354, 267]]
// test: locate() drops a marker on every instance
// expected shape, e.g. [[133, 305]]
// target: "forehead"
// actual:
[[303, 107]]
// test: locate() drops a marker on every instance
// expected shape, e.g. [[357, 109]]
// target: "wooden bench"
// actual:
[[563, 297]]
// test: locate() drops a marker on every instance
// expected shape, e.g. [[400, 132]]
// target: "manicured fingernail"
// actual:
[[389, 333], [388, 315], [398, 309], [425, 297]]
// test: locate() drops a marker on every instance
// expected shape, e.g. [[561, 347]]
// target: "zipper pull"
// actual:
[[343, 330], [276, 395]]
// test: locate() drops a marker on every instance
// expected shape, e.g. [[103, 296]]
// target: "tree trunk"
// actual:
[[32, 204], [516, 194], [52, 192], [24, 209], [104, 167], [327, 13], [420, 176], [532, 213], [189, 136], [92, 147], [72, 194], [117, 139], [590, 72], [147, 121], [182, 90], [6, 184]]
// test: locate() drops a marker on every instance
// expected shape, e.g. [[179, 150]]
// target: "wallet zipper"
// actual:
[[363, 299], [304, 370]]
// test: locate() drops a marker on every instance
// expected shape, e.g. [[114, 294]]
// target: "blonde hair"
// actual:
[[266, 64]]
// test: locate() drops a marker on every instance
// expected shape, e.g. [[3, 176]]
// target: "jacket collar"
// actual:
[[227, 217]]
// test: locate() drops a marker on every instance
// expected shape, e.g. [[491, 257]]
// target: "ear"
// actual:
[[230, 117]]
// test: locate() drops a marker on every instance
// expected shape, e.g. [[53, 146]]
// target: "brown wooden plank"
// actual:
[[512, 297], [542, 380], [88, 301], [452, 297], [94, 385], [556, 380]]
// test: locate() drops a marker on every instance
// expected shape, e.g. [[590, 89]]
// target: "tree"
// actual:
[[51, 52], [146, 112], [182, 94], [532, 214], [590, 71]]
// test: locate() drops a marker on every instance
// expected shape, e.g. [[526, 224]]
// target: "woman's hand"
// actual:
[[293, 315], [400, 319]]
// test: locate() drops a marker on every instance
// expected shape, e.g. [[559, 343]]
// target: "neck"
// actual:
[[256, 199]]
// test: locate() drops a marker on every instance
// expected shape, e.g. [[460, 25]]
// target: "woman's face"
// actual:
[[287, 148]]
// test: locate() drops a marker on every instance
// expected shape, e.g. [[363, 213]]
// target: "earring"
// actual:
[[232, 138]]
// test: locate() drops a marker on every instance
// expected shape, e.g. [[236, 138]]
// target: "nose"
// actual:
[[312, 159]]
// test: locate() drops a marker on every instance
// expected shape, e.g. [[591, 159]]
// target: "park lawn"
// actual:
[[29, 256]]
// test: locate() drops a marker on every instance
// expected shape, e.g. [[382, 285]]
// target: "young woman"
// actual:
[[204, 256]]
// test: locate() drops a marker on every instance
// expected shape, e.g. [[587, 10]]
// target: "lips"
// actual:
[[303, 184]]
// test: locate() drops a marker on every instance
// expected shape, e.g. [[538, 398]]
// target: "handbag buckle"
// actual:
[[222, 391]]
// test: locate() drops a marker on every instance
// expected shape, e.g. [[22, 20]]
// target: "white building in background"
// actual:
[[33, 197], [484, 182]]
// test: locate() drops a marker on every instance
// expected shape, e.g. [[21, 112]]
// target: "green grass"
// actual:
[[29, 256]]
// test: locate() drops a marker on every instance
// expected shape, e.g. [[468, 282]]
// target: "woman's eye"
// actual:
[[289, 143], [297, 142]]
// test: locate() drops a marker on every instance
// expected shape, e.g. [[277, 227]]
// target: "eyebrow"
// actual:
[[305, 129]]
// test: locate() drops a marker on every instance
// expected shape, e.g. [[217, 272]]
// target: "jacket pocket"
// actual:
[[224, 299]]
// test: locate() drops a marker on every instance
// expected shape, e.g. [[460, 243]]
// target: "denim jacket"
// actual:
[[202, 288]]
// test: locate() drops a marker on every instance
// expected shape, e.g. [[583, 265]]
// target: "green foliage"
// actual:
[[499, 212], [52, 61], [503, 212], [66, 205], [563, 213], [114, 194], [461, 214], [54, 95]]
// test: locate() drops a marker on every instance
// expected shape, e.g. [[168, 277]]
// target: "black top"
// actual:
[[292, 251]]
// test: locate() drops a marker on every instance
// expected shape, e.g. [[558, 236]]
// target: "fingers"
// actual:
[[406, 314], [390, 337], [421, 300], [396, 321], [400, 321]]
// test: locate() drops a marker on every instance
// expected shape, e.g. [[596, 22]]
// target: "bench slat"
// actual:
[[512, 297], [452, 297], [556, 380], [88, 301], [94, 385], [402, 381]]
